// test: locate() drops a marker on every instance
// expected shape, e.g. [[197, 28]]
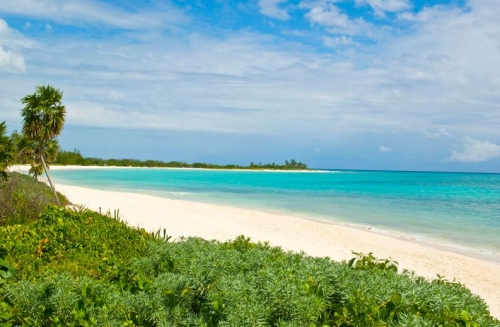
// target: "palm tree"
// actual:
[[5, 151], [43, 119], [29, 150]]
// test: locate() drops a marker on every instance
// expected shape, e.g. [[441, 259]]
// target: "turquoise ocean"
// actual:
[[458, 210]]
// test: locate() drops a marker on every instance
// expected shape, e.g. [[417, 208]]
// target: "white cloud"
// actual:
[[432, 14], [448, 67], [4, 28], [12, 39], [5, 31], [75, 12], [244, 80], [11, 62], [437, 133], [326, 13], [475, 151], [337, 41], [384, 149], [273, 9], [380, 7]]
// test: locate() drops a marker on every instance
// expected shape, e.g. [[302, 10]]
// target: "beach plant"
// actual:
[[80, 268], [22, 200], [370, 262], [161, 235], [7, 271], [43, 119], [78, 243]]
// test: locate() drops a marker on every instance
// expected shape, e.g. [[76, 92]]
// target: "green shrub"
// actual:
[[85, 269], [6, 272], [22, 199], [80, 243]]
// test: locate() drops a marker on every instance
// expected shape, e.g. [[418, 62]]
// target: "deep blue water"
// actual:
[[461, 209]]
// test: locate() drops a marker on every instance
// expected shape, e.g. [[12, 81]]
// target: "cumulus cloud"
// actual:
[[11, 62], [383, 148], [326, 13], [475, 151], [273, 9], [380, 7]]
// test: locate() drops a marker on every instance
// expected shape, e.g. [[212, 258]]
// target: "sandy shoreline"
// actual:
[[185, 218], [25, 168]]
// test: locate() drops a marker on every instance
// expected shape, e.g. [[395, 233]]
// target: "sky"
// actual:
[[341, 84]]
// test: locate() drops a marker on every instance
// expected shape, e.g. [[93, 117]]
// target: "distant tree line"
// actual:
[[75, 158]]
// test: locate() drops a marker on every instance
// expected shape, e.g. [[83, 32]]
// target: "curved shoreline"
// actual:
[[183, 218]]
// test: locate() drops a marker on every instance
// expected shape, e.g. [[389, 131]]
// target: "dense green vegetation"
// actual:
[[80, 268], [22, 199], [76, 158]]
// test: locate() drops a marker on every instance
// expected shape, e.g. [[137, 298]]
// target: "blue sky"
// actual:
[[354, 84]]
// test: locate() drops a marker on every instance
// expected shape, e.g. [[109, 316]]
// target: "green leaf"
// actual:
[[464, 316], [3, 253]]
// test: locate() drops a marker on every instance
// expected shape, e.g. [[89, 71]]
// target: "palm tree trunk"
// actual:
[[48, 177]]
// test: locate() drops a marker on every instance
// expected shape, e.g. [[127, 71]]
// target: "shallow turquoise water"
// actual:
[[461, 209]]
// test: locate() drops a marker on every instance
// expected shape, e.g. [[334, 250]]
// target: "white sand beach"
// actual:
[[185, 218]]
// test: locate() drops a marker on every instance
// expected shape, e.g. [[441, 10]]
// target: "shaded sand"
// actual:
[[185, 218]]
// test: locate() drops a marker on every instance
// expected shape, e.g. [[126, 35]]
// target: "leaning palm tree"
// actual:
[[43, 119], [6, 155]]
